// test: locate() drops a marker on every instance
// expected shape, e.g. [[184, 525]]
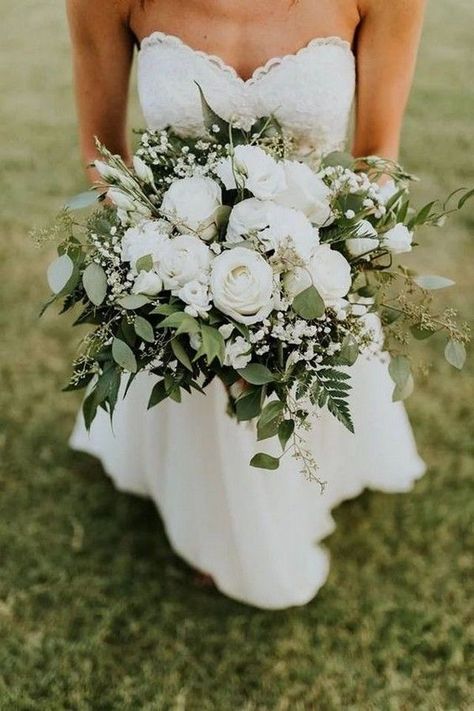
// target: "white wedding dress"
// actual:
[[256, 532]]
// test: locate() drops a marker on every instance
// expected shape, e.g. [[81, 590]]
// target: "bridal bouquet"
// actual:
[[222, 256]]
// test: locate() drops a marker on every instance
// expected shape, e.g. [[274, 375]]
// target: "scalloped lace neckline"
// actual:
[[159, 37]]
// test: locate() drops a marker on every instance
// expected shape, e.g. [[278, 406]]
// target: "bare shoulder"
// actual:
[[402, 10], [99, 15]]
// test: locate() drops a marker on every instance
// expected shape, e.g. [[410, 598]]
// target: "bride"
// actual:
[[256, 533]]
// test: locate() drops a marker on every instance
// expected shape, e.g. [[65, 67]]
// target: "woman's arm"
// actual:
[[103, 50], [386, 48]]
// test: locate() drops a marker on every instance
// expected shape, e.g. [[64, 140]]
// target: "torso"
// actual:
[[245, 34]]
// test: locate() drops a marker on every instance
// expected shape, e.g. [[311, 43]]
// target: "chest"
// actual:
[[246, 33]]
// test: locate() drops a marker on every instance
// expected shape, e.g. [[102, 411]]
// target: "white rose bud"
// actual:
[[142, 170], [253, 169], [148, 283], [305, 191], [366, 241], [193, 203], [398, 239], [124, 202], [242, 285], [105, 170]]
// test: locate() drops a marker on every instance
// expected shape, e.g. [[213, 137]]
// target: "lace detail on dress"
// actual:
[[310, 91]]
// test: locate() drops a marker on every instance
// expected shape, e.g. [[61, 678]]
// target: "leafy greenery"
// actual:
[[96, 611]]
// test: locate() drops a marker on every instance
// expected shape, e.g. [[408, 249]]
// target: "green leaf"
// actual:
[[256, 374], [133, 301], [180, 353], [124, 356], [158, 394], [455, 353], [210, 118], [430, 282], [403, 390], [213, 345], [399, 369], [420, 333], [82, 200], [181, 321], [469, 194], [264, 461], [285, 431], [338, 158], [390, 316], [249, 405], [94, 280], [308, 304], [349, 351], [166, 309], [272, 410], [144, 264], [144, 329], [89, 410], [59, 273], [424, 213]]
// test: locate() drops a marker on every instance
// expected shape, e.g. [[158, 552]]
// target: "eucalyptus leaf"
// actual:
[[399, 370], [272, 410], [308, 304], [249, 405], [124, 356], [211, 118], [144, 329], [94, 280], [264, 461], [431, 282], [144, 264], [338, 158], [133, 301], [455, 353], [403, 391], [285, 431], [82, 200], [59, 273], [256, 374], [158, 394], [349, 351]]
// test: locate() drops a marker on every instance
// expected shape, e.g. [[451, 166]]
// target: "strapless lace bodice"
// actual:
[[310, 92]]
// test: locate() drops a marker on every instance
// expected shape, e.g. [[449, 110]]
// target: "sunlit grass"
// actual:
[[96, 612]]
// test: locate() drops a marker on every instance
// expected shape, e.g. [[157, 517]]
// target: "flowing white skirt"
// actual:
[[257, 533]]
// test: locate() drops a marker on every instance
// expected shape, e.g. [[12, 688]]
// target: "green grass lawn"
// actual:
[[96, 612]]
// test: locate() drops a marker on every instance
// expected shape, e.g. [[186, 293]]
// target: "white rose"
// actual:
[[184, 258], [366, 240], [398, 239], [148, 283], [253, 169], [196, 296], [237, 353], [305, 191], [193, 203], [250, 215], [147, 238], [142, 170], [328, 271], [288, 227], [241, 285]]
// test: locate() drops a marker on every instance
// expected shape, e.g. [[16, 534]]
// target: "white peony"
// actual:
[[250, 215], [253, 169], [148, 283], [328, 271], [398, 239], [289, 228], [242, 284], [366, 241], [184, 258], [196, 295], [237, 353], [147, 238], [305, 191], [193, 204]]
